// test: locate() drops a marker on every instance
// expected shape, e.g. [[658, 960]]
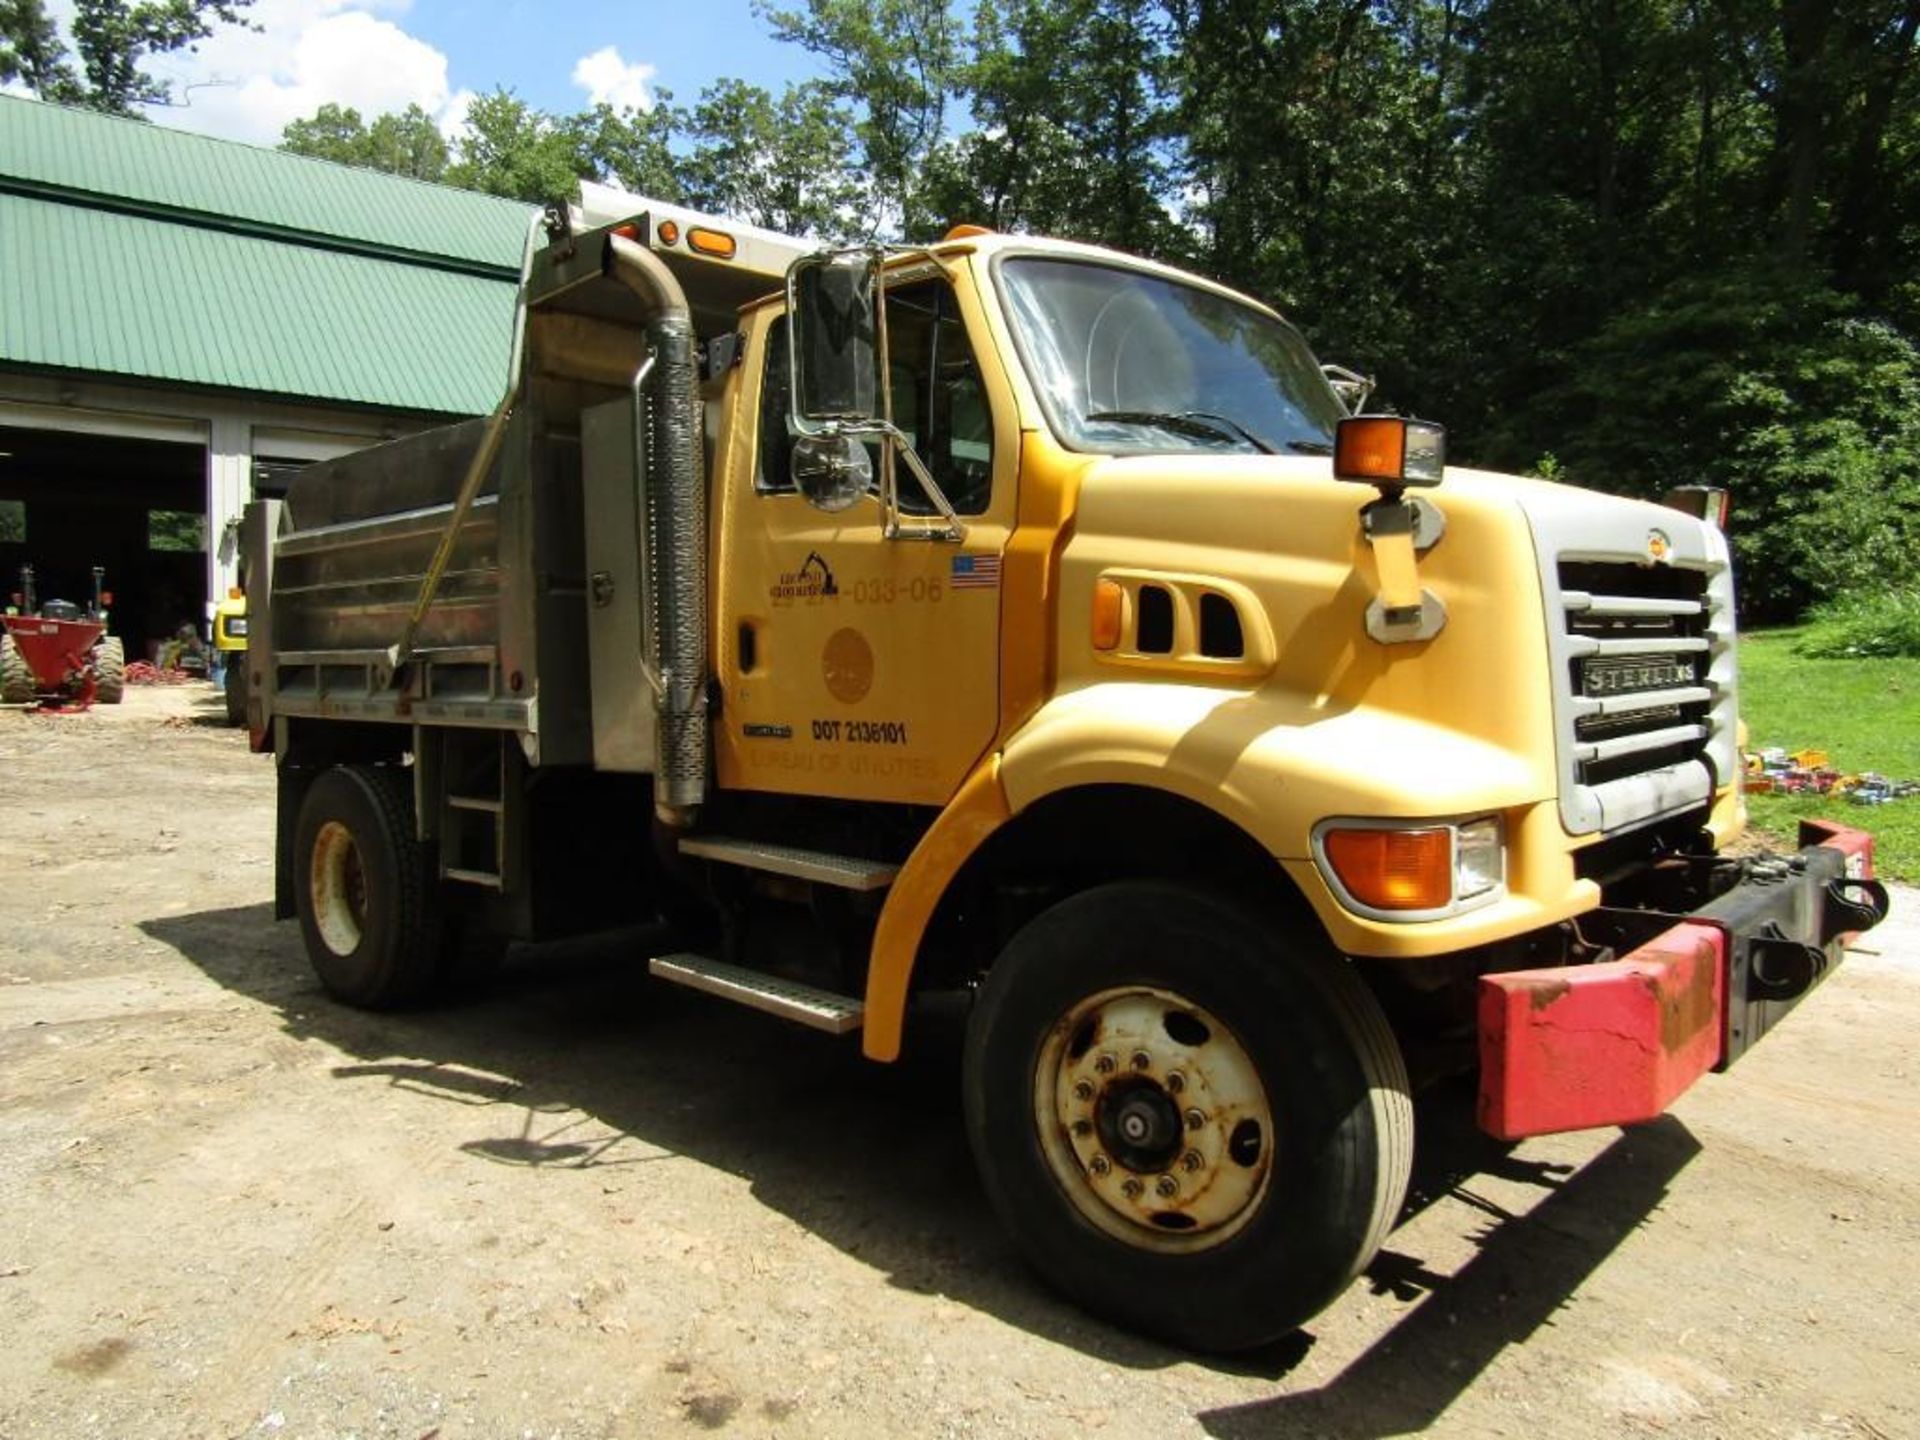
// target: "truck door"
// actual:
[[852, 665]]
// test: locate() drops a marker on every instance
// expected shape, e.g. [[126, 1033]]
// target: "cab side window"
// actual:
[[939, 403]]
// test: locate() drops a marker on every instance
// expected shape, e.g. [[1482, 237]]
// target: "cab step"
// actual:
[[789, 999], [848, 872]]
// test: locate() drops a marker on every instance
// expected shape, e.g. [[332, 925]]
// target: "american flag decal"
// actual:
[[976, 572]]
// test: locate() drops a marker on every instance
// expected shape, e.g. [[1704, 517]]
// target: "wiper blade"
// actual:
[[1309, 447], [1203, 424]]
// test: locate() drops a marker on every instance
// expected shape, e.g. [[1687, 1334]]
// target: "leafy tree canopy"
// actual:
[[112, 39]]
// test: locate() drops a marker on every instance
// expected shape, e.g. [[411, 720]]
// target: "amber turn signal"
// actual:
[[716, 243], [1389, 450], [1394, 869], [1109, 613]]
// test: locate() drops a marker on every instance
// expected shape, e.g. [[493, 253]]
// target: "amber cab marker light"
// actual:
[[668, 232], [1109, 610], [716, 243], [1394, 869], [628, 231], [1389, 450]]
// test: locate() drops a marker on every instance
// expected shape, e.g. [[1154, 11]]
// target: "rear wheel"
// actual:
[[236, 689], [1192, 1124], [364, 888], [110, 670], [16, 677]]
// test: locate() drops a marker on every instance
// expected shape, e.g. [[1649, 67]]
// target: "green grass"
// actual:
[[1865, 713]]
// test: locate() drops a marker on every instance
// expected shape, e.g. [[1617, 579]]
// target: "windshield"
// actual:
[[1126, 362]]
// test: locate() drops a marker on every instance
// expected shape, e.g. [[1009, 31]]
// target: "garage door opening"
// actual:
[[71, 501]]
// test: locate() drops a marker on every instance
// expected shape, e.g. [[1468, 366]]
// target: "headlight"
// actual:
[[1413, 871], [1479, 858]]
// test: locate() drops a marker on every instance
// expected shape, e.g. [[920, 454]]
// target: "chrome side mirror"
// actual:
[[833, 301], [831, 472]]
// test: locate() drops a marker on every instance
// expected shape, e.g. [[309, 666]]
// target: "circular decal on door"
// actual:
[[848, 665]]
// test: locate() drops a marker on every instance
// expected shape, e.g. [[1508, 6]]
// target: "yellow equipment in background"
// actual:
[[230, 640]]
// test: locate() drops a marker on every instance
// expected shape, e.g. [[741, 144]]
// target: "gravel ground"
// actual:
[[585, 1205]]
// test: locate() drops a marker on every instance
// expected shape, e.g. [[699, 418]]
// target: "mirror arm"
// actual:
[[955, 531]]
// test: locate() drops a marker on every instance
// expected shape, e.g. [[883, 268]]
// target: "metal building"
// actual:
[[185, 320]]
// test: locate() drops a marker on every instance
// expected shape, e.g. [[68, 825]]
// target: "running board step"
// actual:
[[849, 872], [790, 1000]]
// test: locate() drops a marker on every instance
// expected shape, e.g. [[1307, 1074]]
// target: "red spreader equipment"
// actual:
[[59, 655]]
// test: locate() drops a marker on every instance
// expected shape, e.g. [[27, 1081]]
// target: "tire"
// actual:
[[365, 890], [1107, 1026], [236, 689], [110, 670], [16, 676]]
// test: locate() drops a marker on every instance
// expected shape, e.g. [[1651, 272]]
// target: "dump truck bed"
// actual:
[[351, 547]]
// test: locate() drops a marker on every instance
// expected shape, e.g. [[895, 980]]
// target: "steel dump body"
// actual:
[[539, 618], [351, 551]]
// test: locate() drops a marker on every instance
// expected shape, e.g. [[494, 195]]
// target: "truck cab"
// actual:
[[1020, 630]]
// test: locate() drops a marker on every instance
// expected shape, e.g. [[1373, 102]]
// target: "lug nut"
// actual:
[[1176, 1082], [1167, 1186], [1083, 1127], [1195, 1119], [1192, 1161], [1142, 1060], [1083, 1090], [1100, 1165], [1131, 1188], [1105, 1064]]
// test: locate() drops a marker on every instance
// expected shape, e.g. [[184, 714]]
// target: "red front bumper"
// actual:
[[1578, 1046]]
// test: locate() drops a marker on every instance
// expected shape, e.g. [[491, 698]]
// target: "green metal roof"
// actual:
[[100, 159], [98, 290]]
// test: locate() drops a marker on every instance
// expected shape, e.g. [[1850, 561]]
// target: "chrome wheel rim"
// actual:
[[1153, 1119], [337, 887]]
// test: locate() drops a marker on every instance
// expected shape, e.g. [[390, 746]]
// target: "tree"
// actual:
[[633, 148], [407, 144], [894, 62], [514, 150], [114, 38], [785, 164]]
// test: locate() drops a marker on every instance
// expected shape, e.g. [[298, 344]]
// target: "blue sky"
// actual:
[[534, 46], [381, 55]]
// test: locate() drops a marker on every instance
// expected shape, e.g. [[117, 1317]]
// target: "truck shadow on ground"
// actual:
[[874, 1160]]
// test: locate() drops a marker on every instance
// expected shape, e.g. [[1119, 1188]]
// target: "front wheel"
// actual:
[[1193, 1124], [364, 888], [17, 686], [110, 670], [235, 687]]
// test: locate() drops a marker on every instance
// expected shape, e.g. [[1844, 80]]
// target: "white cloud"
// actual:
[[248, 85], [609, 80], [452, 118]]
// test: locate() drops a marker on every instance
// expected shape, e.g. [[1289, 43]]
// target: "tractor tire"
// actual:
[[365, 888], [1194, 1123], [235, 685], [110, 670], [16, 676]]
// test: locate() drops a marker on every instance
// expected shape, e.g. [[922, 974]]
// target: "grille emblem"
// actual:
[[1658, 545]]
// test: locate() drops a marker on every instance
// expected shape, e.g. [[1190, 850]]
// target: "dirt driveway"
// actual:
[[584, 1205]]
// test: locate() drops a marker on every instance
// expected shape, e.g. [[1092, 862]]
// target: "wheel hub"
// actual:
[[337, 883], [1154, 1119], [1139, 1125]]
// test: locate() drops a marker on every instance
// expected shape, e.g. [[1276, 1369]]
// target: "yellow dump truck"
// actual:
[[1018, 628]]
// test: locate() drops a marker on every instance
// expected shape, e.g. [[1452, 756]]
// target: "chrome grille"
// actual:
[[1636, 654]]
